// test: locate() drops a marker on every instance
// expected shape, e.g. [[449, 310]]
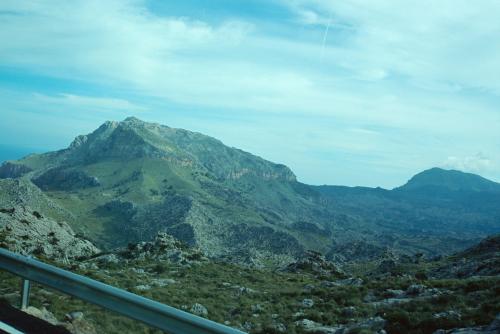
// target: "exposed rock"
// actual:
[[315, 263], [391, 293], [199, 310], [139, 271], [298, 315], [415, 289], [15, 193], [372, 325], [43, 314], [257, 308], [75, 315], [310, 326], [26, 232], [242, 290], [351, 281], [164, 247], [80, 326], [390, 302], [107, 259], [75, 323], [452, 315], [161, 282], [308, 303]]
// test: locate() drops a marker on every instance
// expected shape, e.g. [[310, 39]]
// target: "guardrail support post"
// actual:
[[25, 293]]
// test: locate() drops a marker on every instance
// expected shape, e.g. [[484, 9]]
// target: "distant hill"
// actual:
[[437, 202], [128, 180], [449, 180]]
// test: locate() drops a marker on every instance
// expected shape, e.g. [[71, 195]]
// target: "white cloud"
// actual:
[[477, 163], [87, 102], [428, 41], [422, 74]]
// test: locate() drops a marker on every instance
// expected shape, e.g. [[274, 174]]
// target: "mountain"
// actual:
[[443, 209], [449, 180], [128, 180]]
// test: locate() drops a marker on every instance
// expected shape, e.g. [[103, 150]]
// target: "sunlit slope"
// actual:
[[127, 180]]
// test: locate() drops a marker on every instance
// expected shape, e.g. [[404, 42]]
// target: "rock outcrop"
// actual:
[[315, 263], [163, 247], [26, 231], [480, 260]]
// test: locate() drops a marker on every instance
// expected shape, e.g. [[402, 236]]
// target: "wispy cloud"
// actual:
[[392, 87], [477, 163], [88, 103]]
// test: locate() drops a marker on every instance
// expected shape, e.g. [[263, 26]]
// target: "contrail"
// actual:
[[325, 36]]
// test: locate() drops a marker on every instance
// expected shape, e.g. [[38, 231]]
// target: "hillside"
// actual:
[[450, 180], [128, 180], [311, 295], [445, 205]]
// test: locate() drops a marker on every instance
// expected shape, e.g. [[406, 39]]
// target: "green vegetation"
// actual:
[[258, 299]]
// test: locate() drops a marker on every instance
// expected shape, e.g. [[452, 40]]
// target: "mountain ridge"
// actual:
[[128, 180], [451, 179]]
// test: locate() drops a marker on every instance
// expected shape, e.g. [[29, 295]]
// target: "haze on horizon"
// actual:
[[351, 92]]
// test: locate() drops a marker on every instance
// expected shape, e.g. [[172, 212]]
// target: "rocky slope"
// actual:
[[128, 180], [311, 295], [27, 232], [480, 260]]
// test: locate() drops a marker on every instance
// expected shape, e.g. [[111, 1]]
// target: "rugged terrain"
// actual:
[[128, 180], [311, 295]]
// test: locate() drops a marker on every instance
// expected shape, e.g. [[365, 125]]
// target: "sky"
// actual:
[[343, 92]]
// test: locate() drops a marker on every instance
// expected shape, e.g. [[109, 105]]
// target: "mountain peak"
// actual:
[[450, 179], [133, 138], [132, 119]]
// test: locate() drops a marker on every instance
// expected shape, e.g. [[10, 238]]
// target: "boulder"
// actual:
[[308, 303], [199, 310], [315, 263]]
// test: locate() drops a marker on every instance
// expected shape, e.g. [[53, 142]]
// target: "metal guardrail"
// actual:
[[155, 314]]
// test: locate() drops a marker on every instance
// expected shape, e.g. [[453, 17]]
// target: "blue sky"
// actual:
[[344, 92]]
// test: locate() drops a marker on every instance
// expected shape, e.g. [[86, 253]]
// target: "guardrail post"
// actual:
[[25, 293]]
